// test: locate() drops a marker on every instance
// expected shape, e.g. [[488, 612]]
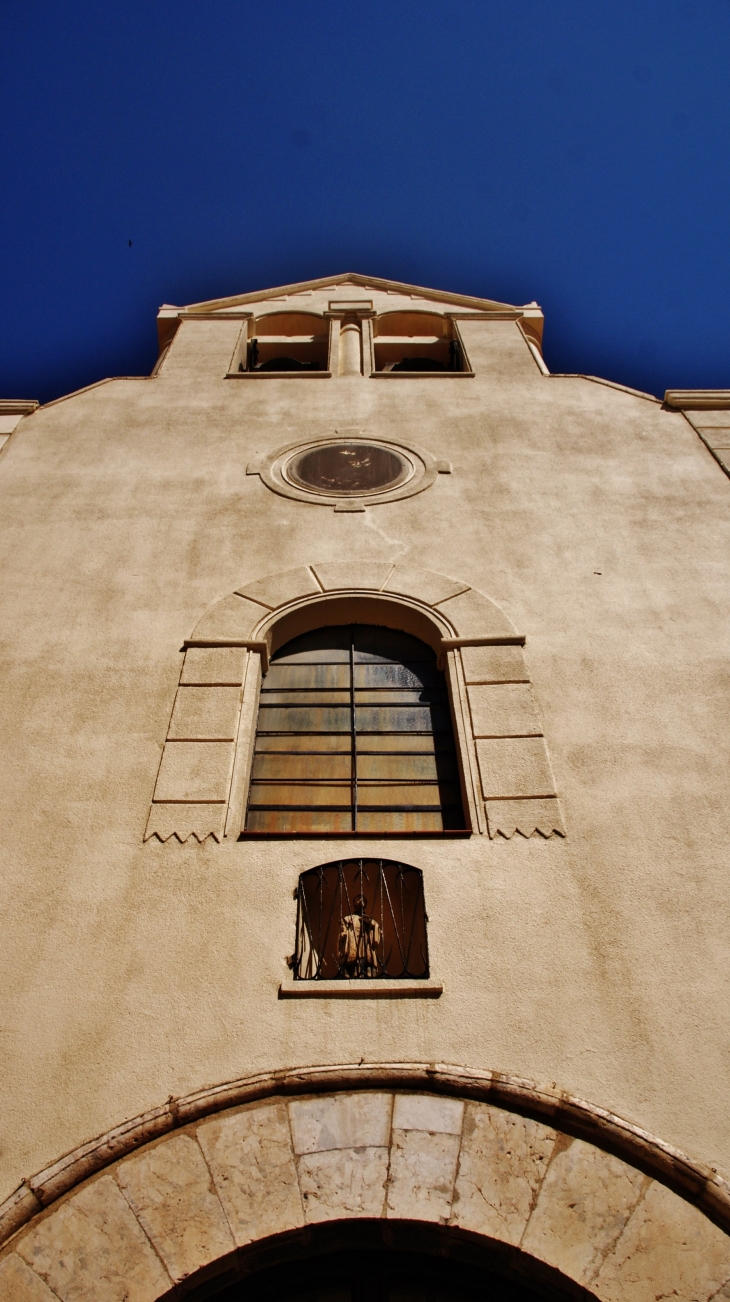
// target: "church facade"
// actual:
[[365, 817]]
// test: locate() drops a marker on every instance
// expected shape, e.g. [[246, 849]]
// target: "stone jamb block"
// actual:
[[511, 767], [213, 666], [506, 817], [205, 714], [185, 820], [494, 664], [194, 771], [503, 710]]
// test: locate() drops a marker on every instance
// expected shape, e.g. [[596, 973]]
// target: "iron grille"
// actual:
[[359, 918]]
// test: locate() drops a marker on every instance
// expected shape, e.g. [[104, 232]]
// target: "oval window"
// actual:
[[348, 468]]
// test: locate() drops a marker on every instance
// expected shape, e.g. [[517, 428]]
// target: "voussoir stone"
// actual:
[[250, 1157], [584, 1202], [431, 1112], [422, 1172], [423, 585], [278, 589], [667, 1250], [18, 1283], [341, 1121], [93, 1249], [343, 1182], [502, 1164], [172, 1193]]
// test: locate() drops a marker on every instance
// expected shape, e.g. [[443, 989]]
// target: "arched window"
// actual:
[[361, 918], [354, 737]]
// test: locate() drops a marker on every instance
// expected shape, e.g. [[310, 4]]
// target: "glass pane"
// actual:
[[321, 645], [314, 823], [306, 675], [411, 768], [392, 696], [397, 794], [402, 743], [321, 697], [300, 794], [373, 643], [304, 743], [306, 719], [398, 822], [317, 768], [390, 675], [416, 718], [348, 468]]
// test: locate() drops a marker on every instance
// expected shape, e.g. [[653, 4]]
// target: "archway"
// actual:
[[369, 1261], [513, 1195]]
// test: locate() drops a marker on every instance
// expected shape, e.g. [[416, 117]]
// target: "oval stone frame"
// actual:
[[271, 468]]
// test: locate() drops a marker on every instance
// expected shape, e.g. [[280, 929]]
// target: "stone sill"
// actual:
[[279, 375], [360, 989], [422, 375]]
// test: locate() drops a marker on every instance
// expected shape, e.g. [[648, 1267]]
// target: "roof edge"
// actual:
[[355, 278]]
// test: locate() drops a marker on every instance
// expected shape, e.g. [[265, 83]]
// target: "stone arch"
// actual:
[[457, 613], [507, 780], [557, 1189]]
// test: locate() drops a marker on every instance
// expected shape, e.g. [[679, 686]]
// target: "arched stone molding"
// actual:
[[507, 780], [538, 1173]]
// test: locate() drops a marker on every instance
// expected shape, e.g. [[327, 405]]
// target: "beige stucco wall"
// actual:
[[134, 971]]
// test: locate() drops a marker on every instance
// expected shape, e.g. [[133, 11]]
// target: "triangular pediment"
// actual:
[[353, 285]]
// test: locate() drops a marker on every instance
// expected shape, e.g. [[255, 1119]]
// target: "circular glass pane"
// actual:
[[348, 469]]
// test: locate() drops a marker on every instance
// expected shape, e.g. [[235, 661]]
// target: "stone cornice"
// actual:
[[18, 406], [697, 399]]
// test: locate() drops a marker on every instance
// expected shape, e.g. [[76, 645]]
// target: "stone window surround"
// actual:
[[197, 1187], [270, 467], [203, 777]]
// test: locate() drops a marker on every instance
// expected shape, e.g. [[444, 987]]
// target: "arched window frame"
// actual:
[[204, 773]]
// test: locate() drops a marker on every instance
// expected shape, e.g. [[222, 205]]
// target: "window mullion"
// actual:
[[353, 729]]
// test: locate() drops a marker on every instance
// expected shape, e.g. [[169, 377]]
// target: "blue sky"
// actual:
[[570, 151]]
